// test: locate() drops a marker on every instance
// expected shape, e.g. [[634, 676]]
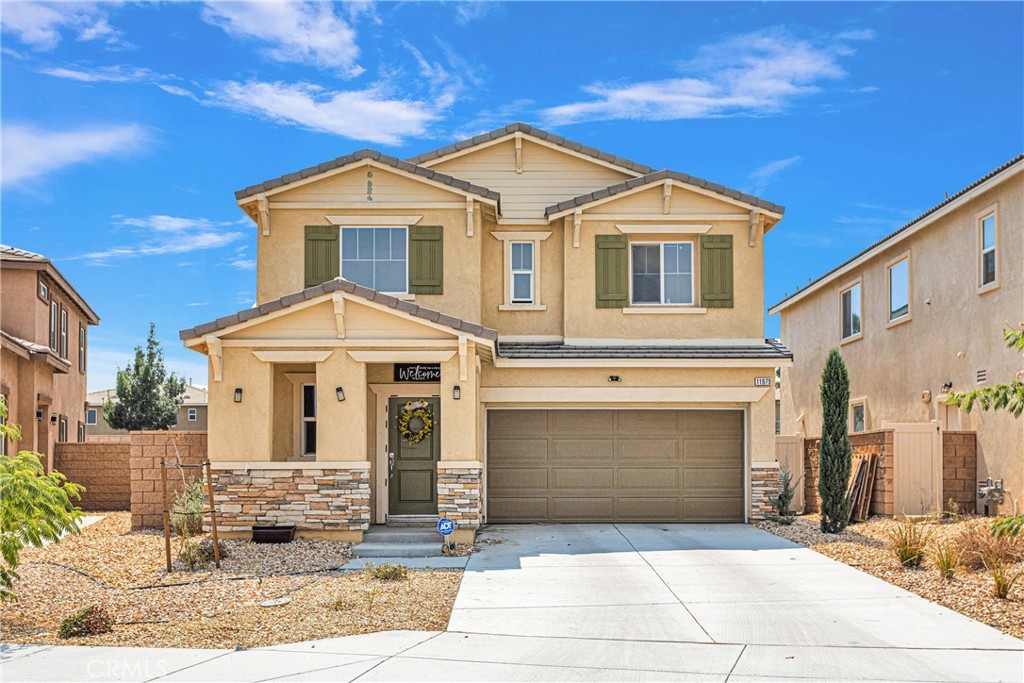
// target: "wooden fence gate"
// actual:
[[917, 468]]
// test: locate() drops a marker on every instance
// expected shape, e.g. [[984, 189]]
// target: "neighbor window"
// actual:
[[81, 433], [851, 312], [662, 273], [987, 230], [192, 414], [81, 348], [899, 289], [54, 323], [90, 416], [63, 332], [308, 425], [376, 258], [857, 417], [62, 431], [521, 272], [44, 290]]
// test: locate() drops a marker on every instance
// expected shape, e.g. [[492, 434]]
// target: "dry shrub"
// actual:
[[975, 544], [946, 558], [387, 571], [90, 621], [1004, 576], [908, 540]]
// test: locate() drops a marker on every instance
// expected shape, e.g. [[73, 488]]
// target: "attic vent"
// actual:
[[981, 376]]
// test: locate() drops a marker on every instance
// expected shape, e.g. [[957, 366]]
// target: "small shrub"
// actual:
[[1003, 576], [206, 549], [90, 621], [190, 556], [186, 510], [954, 511], [387, 571], [946, 558], [781, 502], [976, 544], [1009, 526], [908, 540]]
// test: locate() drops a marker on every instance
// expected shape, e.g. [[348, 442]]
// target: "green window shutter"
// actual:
[[426, 259], [716, 271], [612, 271], [322, 254]]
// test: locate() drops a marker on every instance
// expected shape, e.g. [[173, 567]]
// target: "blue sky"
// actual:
[[127, 127]]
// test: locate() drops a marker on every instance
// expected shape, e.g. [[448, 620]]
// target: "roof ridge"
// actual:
[[520, 127]]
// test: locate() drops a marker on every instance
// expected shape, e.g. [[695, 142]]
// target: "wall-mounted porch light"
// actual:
[[53, 418], [39, 414], [947, 387], [238, 394], [340, 393], [456, 392]]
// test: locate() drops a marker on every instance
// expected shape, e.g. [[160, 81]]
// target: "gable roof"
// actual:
[[374, 155], [13, 257], [9, 253], [655, 177], [339, 285], [525, 129], [949, 203]]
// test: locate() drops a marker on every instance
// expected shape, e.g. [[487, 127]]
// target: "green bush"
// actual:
[[1003, 576], [836, 453], [781, 502], [387, 571], [186, 510], [90, 621], [946, 557], [908, 541]]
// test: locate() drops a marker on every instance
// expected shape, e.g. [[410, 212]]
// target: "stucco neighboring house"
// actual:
[[44, 330], [917, 315], [191, 414], [584, 335]]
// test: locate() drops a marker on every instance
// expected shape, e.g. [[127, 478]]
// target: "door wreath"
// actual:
[[416, 421]]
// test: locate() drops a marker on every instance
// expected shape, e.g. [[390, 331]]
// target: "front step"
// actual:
[[399, 541]]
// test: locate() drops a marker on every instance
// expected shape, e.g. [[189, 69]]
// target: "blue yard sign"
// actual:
[[445, 526]]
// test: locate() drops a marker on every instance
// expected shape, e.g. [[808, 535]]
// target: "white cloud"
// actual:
[[30, 152], [763, 176], [298, 32], [754, 74], [242, 263], [159, 235], [369, 114], [103, 74], [468, 12], [445, 81], [41, 24]]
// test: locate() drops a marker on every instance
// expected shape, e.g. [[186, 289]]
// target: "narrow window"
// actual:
[[191, 414], [90, 416], [63, 332], [376, 258], [62, 431], [44, 290], [522, 272], [3, 423], [81, 433], [851, 312], [899, 290], [81, 348], [54, 324], [662, 273], [308, 425], [857, 417], [988, 250]]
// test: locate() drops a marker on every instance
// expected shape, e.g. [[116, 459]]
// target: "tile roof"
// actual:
[[341, 285], [657, 176], [394, 162], [945, 202], [9, 253], [771, 349], [30, 347], [537, 133]]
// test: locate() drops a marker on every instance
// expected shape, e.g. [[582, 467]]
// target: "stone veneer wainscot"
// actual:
[[458, 493], [764, 485]]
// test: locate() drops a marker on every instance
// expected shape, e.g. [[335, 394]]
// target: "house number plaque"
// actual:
[[417, 372], [762, 381]]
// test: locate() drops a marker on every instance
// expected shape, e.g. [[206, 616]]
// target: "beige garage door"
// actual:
[[615, 465]]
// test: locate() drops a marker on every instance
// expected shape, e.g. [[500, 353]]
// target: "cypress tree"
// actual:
[[836, 453]]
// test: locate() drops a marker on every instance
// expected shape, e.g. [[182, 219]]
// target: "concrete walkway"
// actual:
[[616, 603]]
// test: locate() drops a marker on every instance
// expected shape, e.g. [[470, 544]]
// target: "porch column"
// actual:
[[341, 425], [460, 469]]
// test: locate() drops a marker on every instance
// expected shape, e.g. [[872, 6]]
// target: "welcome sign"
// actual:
[[417, 372]]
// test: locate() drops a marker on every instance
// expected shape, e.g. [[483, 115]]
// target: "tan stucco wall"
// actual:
[[954, 331], [341, 425], [241, 431]]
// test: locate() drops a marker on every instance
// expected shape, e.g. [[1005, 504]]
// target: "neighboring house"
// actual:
[[920, 314], [585, 334], [44, 334], [191, 414]]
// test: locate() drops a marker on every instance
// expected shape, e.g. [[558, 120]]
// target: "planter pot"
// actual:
[[280, 533]]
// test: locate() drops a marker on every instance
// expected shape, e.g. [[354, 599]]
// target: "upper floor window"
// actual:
[[521, 272], [54, 324], [90, 416], [192, 413], [661, 273], [63, 332], [899, 289], [987, 243], [44, 290], [851, 312], [376, 258], [81, 348]]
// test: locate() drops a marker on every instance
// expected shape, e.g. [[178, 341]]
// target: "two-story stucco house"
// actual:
[[43, 347], [917, 315], [192, 414], [513, 328]]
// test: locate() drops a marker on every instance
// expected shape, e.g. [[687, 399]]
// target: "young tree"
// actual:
[[34, 507], [836, 453], [148, 397]]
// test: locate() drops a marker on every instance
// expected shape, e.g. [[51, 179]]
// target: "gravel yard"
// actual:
[[123, 571], [865, 546]]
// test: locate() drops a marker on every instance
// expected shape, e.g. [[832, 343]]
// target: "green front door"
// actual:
[[412, 467]]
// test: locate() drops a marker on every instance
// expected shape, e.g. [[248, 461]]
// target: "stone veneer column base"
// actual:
[[764, 484], [328, 502], [458, 497]]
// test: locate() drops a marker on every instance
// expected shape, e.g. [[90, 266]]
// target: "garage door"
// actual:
[[615, 465]]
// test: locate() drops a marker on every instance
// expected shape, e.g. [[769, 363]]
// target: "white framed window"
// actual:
[[521, 272], [988, 275], [81, 433], [44, 290], [62, 430], [858, 415], [54, 324], [81, 348], [90, 416], [63, 332], [661, 273], [192, 414], [850, 310], [376, 257], [307, 427], [898, 278]]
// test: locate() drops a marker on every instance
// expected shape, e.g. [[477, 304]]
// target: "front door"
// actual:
[[413, 448]]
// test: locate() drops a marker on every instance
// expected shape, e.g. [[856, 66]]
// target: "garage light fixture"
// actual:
[[238, 394], [456, 392]]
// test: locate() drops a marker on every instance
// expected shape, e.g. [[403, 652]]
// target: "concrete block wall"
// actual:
[[147, 451], [101, 468], [880, 443], [959, 470]]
